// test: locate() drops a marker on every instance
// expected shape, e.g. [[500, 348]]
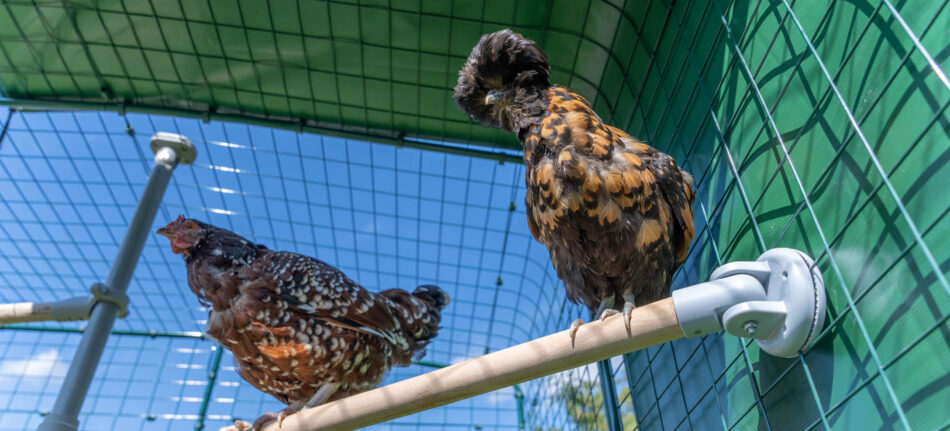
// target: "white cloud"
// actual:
[[370, 227], [43, 364]]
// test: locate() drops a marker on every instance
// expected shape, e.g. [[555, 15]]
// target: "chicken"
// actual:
[[300, 329], [615, 214]]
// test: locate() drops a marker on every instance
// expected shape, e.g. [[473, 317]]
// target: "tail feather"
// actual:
[[419, 315]]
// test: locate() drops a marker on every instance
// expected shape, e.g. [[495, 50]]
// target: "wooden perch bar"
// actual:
[[650, 325]]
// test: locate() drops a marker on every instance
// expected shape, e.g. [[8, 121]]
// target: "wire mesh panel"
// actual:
[[811, 125], [379, 68], [386, 216], [143, 382]]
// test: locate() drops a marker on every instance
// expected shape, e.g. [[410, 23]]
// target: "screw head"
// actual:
[[750, 326]]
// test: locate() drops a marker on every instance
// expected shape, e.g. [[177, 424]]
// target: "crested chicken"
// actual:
[[299, 329], [615, 214]]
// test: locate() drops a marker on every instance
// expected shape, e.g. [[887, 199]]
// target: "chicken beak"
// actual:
[[165, 232], [492, 97]]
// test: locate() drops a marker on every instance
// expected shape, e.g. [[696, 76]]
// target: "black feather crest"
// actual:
[[504, 61]]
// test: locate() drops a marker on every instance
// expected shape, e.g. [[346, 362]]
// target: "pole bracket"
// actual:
[[101, 293], [184, 148], [778, 300]]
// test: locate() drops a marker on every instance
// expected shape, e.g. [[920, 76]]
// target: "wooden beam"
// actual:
[[650, 325]]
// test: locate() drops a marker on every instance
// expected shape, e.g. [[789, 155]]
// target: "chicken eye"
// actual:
[[190, 226]]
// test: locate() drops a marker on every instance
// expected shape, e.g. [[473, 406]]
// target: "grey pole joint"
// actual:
[[170, 149], [102, 293], [78, 308], [778, 300]]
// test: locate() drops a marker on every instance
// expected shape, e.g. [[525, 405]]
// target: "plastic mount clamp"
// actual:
[[793, 312], [182, 146], [104, 294]]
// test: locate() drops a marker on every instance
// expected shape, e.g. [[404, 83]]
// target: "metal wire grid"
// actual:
[[876, 364], [145, 383], [387, 216], [380, 69], [131, 52]]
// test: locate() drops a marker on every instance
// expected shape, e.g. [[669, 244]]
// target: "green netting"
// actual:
[[813, 125], [821, 127], [375, 68]]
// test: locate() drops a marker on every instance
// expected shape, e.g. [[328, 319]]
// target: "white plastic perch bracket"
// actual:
[[779, 300], [71, 309], [65, 310], [101, 293], [183, 146]]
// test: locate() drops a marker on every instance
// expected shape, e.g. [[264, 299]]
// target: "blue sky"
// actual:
[[387, 216]]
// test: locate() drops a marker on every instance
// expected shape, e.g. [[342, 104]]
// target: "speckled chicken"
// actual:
[[300, 329], [615, 214]]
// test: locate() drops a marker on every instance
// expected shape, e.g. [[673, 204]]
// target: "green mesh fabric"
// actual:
[[815, 126]]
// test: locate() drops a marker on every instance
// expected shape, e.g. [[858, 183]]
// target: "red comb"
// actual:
[[178, 220]]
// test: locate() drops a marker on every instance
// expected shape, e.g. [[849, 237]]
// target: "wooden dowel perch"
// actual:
[[650, 325]]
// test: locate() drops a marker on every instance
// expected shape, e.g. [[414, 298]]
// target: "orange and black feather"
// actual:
[[614, 213], [585, 180]]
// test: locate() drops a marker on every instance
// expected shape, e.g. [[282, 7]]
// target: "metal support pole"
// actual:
[[169, 150], [212, 376], [609, 392], [519, 403]]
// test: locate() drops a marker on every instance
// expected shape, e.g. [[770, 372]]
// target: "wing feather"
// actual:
[[318, 290], [677, 188]]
